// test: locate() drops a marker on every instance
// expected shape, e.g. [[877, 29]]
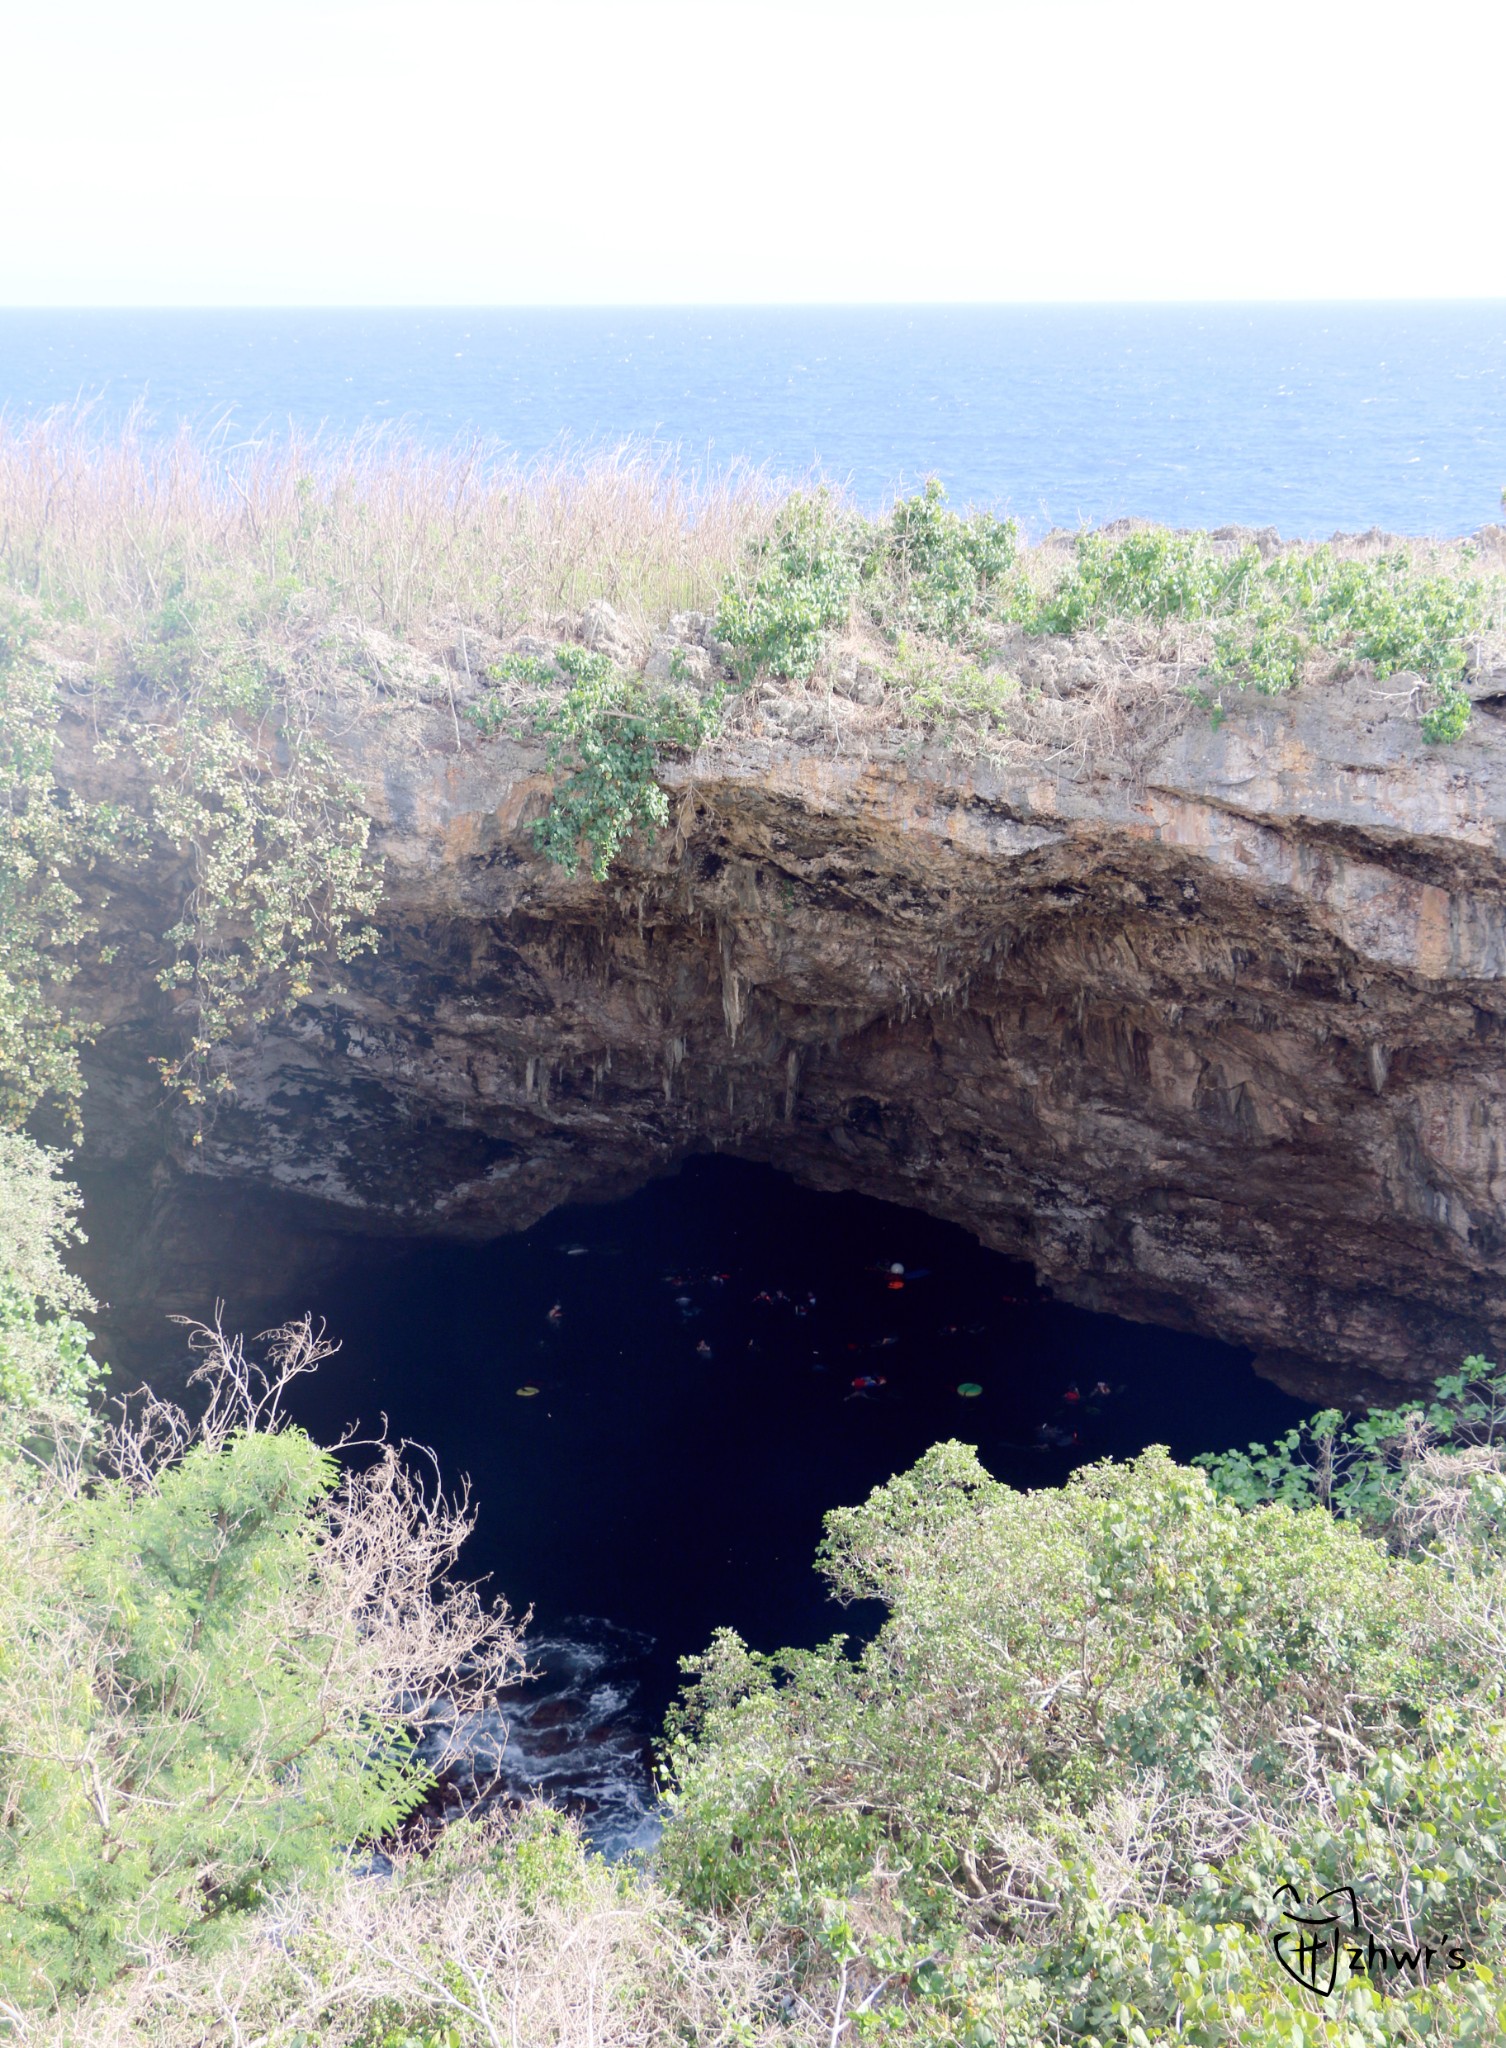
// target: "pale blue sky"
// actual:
[[482, 152]]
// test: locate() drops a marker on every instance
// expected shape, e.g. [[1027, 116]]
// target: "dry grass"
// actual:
[[448, 1943], [108, 528]]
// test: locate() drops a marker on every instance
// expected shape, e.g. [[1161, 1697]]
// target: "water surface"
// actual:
[[1306, 417]]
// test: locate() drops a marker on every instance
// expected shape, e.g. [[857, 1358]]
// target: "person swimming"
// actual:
[[556, 1314], [703, 1350], [1102, 1391], [1073, 1393]]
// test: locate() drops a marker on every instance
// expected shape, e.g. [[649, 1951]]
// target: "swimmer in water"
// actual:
[[703, 1349], [556, 1314], [1072, 1393], [1101, 1390]]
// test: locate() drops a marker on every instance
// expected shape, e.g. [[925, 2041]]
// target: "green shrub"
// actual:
[[1265, 647], [1152, 575], [1359, 1466], [246, 791], [934, 571], [1395, 618], [1448, 716], [46, 840], [1098, 1728], [804, 577], [491, 714], [201, 1659], [604, 737], [1268, 621], [46, 1372]]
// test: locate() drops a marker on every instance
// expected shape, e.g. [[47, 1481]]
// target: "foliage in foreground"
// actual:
[[1054, 1799], [510, 1936], [208, 1637]]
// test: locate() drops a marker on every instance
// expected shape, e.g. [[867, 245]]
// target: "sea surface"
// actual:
[[1310, 418]]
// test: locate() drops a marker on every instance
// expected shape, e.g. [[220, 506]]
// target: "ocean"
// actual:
[[1309, 418]]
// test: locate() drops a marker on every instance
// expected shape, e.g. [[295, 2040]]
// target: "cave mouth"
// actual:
[[698, 1350]]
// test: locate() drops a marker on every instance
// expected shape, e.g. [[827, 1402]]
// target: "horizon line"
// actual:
[[730, 305]]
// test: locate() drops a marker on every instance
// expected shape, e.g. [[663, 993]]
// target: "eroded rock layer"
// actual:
[[1214, 1041]]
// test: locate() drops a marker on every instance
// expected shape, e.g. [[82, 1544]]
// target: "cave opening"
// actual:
[[656, 1400]]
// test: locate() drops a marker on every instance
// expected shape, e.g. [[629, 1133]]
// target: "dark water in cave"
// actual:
[[718, 1360]]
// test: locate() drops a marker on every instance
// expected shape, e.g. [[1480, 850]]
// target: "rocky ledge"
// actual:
[[1213, 1041]]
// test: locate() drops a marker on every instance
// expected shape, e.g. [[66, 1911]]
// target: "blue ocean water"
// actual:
[[1305, 417]]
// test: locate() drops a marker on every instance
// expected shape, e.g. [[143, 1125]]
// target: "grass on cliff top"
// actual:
[[105, 530], [341, 580]]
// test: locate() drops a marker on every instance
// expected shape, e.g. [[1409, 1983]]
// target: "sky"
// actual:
[[482, 152]]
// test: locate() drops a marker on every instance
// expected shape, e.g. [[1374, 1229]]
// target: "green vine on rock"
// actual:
[[280, 875], [48, 839]]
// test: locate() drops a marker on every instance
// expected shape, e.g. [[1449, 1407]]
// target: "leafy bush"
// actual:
[[934, 571], [1448, 716], [1269, 621], [1148, 575], [1098, 1729], [1264, 646], [804, 577], [508, 1933], [1384, 612], [1360, 1467], [46, 1372], [490, 714], [1392, 616], [281, 876], [205, 1652], [605, 735], [46, 839]]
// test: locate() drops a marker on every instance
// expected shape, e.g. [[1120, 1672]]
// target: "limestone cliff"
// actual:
[[1213, 1039]]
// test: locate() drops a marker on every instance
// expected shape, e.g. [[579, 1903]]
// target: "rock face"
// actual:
[[1214, 1042]]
